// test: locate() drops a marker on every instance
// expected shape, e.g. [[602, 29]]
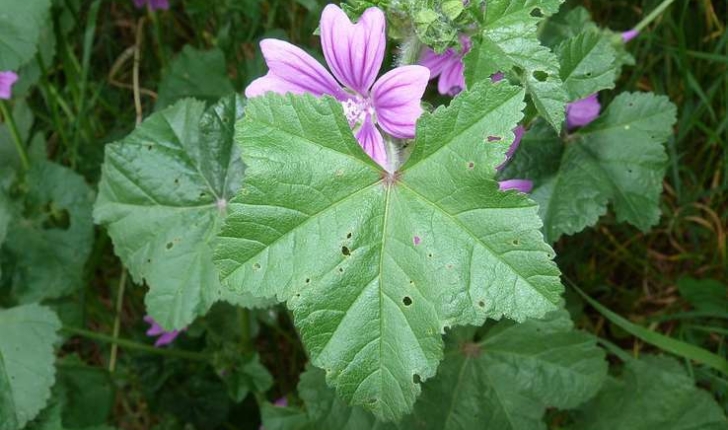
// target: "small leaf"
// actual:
[[652, 393], [508, 42], [20, 27], [163, 193], [195, 73], [372, 264], [51, 233], [249, 375], [588, 64], [27, 335]]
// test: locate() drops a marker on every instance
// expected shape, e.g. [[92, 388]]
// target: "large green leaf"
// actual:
[[588, 64], [509, 378], [653, 393], [618, 159], [508, 42], [163, 193], [505, 380], [195, 73], [375, 265], [50, 235], [20, 27], [27, 334]]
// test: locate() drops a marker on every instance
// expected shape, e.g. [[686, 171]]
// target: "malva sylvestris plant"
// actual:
[[397, 203]]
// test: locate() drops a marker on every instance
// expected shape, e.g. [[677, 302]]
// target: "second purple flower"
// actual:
[[354, 53]]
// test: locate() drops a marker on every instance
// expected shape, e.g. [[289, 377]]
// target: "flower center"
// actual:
[[356, 108]]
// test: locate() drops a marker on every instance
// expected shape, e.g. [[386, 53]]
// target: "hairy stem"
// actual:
[[19, 146], [129, 344], [653, 15]]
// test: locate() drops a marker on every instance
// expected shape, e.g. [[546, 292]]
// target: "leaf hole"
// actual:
[[256, 266], [481, 304], [345, 250], [308, 280], [407, 300], [176, 181], [536, 13], [540, 75], [515, 242], [58, 218], [341, 270], [471, 165], [429, 255], [416, 378], [170, 245], [348, 236]]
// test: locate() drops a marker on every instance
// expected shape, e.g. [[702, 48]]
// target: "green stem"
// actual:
[[117, 319], [653, 15], [10, 121], [129, 344]]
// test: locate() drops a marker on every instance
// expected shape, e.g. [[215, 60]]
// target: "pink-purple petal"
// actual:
[[582, 112], [436, 62], [522, 185], [7, 80], [354, 52], [518, 135], [166, 338], [629, 35], [372, 142], [153, 4], [452, 79], [396, 98], [292, 70]]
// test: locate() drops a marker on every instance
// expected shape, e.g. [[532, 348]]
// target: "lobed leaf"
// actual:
[[51, 233], [20, 28], [372, 264], [27, 335], [618, 159], [652, 393], [506, 380], [163, 194], [509, 378], [508, 42]]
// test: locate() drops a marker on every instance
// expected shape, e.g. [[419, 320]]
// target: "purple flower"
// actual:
[[518, 135], [582, 112], [7, 79], [281, 403], [448, 66], [165, 337], [153, 4], [522, 185], [354, 53], [629, 35]]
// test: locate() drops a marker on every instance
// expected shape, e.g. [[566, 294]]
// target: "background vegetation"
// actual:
[[670, 280]]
